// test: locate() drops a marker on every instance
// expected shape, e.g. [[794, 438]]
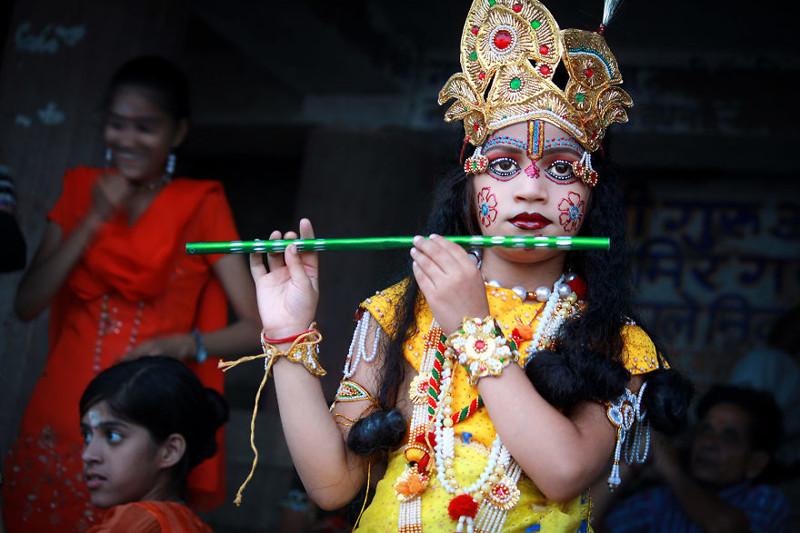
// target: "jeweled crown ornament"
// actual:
[[510, 50]]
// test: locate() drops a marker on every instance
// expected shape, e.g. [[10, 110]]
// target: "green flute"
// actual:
[[385, 243]]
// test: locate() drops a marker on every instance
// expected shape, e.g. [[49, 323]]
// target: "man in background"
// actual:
[[738, 431]]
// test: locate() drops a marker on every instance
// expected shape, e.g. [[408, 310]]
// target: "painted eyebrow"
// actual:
[[552, 149], [546, 151], [507, 147]]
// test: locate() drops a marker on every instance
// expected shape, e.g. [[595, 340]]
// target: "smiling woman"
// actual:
[[112, 266]]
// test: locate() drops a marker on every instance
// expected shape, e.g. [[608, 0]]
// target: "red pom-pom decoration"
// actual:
[[462, 505], [578, 286]]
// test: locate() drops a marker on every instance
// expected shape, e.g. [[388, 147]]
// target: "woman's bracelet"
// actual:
[[480, 347], [201, 355]]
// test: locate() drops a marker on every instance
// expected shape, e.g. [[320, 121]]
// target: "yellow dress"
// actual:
[[533, 512]]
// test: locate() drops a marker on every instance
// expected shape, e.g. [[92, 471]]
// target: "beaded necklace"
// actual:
[[485, 503]]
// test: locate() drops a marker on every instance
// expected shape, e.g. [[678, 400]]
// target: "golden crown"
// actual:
[[510, 50]]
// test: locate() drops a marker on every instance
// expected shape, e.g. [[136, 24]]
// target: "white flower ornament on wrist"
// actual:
[[480, 347]]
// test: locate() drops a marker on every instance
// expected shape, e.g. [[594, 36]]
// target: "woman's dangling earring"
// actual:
[[108, 158], [170, 168]]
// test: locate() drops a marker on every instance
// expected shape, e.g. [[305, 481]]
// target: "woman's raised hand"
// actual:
[[287, 288], [109, 194], [450, 280]]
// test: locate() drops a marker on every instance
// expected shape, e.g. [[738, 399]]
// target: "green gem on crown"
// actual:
[[579, 98], [492, 2], [473, 56], [535, 24], [515, 84]]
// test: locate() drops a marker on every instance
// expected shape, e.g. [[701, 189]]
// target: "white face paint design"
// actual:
[[94, 419]]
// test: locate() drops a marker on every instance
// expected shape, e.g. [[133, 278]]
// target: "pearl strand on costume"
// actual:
[[545, 317], [358, 346], [444, 449], [633, 444]]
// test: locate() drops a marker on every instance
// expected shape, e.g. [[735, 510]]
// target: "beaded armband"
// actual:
[[633, 432], [480, 347], [350, 391]]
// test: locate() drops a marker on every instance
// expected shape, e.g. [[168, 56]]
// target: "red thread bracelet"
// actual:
[[285, 340]]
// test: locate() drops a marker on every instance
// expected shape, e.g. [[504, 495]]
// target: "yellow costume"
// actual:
[[476, 433]]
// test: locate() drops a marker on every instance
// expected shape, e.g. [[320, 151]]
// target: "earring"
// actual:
[[108, 158], [477, 163], [170, 168], [583, 169]]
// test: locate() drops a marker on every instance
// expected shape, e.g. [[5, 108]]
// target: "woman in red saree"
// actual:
[[113, 269]]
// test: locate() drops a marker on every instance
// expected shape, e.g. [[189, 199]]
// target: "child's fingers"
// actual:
[[275, 260]]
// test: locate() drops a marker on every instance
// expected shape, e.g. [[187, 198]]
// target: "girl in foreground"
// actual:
[[499, 388], [146, 424]]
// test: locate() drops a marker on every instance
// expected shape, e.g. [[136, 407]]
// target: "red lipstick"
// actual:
[[530, 221]]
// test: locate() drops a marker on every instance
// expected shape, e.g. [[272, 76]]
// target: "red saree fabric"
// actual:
[[133, 283], [151, 517]]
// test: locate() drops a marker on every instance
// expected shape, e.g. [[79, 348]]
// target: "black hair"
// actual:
[[164, 396], [766, 418], [162, 77], [585, 363]]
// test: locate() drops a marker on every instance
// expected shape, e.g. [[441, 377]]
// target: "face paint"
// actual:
[[571, 209], [535, 139], [505, 139], [486, 206], [563, 142], [94, 419], [532, 171]]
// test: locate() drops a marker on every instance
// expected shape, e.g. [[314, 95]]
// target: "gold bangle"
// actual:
[[480, 347]]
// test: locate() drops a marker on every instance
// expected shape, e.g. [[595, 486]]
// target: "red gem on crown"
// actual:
[[503, 39]]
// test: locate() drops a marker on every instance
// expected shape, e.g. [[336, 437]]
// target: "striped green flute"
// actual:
[[385, 243]]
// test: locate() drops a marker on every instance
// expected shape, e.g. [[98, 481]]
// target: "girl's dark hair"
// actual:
[[585, 363], [163, 78], [164, 396]]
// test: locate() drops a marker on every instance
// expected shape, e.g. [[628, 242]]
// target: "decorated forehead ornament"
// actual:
[[94, 419], [510, 50]]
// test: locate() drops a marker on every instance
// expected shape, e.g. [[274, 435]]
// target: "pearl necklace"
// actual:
[[541, 294]]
